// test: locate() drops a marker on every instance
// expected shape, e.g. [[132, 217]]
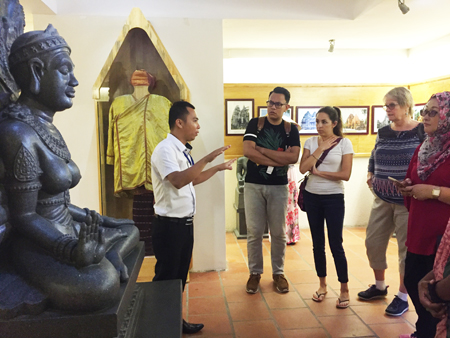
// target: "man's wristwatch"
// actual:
[[435, 193]]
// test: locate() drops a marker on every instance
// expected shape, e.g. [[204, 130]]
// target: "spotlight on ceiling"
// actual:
[[331, 49], [403, 7]]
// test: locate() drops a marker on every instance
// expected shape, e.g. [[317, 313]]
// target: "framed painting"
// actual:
[[238, 113], [306, 119], [355, 119], [379, 118], [262, 111], [416, 114], [288, 114]]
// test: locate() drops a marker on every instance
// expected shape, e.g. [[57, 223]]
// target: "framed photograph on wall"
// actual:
[[379, 118], [355, 119], [288, 114], [238, 113], [262, 111], [417, 108], [306, 118]]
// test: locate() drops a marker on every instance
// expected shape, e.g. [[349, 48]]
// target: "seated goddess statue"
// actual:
[[72, 255]]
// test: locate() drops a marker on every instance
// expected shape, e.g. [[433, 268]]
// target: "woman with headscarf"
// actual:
[[427, 197]]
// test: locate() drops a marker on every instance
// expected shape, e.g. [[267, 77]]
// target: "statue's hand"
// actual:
[[90, 248], [110, 222]]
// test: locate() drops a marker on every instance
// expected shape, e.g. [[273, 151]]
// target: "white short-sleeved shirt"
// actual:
[[331, 163], [171, 155]]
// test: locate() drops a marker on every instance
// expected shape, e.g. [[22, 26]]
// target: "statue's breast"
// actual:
[[58, 174]]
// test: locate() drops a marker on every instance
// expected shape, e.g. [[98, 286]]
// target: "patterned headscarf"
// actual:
[[436, 149]]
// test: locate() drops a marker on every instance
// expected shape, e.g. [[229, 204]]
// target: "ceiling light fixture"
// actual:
[[403, 7], [331, 49]]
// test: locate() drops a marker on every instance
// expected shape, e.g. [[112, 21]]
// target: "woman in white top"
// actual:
[[324, 196]]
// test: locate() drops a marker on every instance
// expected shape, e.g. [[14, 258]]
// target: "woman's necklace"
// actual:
[[53, 140]]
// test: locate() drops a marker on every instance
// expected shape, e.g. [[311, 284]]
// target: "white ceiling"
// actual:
[[286, 24]]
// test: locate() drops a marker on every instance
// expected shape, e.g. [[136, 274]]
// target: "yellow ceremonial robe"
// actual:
[[135, 128]]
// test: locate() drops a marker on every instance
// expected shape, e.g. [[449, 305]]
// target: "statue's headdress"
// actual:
[[34, 43]]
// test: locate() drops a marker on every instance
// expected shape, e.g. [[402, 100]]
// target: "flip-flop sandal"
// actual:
[[318, 297], [342, 304]]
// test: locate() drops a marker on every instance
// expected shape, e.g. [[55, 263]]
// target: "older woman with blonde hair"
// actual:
[[394, 148]]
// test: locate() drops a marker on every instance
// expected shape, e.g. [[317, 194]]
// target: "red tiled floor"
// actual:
[[295, 318], [256, 329], [249, 311], [305, 333], [238, 294], [288, 300], [205, 289], [391, 330], [208, 305], [215, 324], [219, 300], [346, 326]]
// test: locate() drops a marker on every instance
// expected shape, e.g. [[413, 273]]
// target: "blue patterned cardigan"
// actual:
[[390, 157]]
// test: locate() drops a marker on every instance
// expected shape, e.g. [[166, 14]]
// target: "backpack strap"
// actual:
[[262, 120], [287, 127]]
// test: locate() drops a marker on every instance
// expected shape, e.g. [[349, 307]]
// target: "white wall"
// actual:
[[315, 66], [420, 63], [200, 64]]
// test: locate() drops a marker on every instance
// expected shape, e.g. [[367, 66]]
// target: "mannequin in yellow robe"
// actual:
[[137, 123]]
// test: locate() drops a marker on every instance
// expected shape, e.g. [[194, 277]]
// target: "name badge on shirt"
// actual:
[[269, 170]]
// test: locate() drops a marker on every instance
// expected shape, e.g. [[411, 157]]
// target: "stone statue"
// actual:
[[71, 255], [241, 171], [11, 26]]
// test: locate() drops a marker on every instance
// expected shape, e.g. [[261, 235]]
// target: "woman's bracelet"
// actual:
[[314, 157]]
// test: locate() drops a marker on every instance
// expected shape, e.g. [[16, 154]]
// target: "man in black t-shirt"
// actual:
[[270, 150]]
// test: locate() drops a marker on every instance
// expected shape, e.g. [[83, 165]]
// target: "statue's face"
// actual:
[[57, 81]]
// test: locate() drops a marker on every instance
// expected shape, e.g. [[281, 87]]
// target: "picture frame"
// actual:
[[289, 114], [416, 114], [262, 111], [355, 119], [379, 118], [238, 112], [306, 119]]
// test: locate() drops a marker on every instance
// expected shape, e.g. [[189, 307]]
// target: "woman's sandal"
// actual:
[[318, 297], [342, 304]]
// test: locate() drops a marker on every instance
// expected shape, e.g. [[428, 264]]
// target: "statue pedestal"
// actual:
[[145, 310]]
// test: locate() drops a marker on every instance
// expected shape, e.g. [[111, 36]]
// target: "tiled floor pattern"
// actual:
[[219, 300]]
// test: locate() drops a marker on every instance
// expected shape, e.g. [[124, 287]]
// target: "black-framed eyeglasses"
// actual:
[[276, 104], [431, 113], [390, 106]]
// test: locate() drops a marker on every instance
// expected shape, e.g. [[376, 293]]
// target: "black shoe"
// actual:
[[397, 307], [191, 328], [372, 293]]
